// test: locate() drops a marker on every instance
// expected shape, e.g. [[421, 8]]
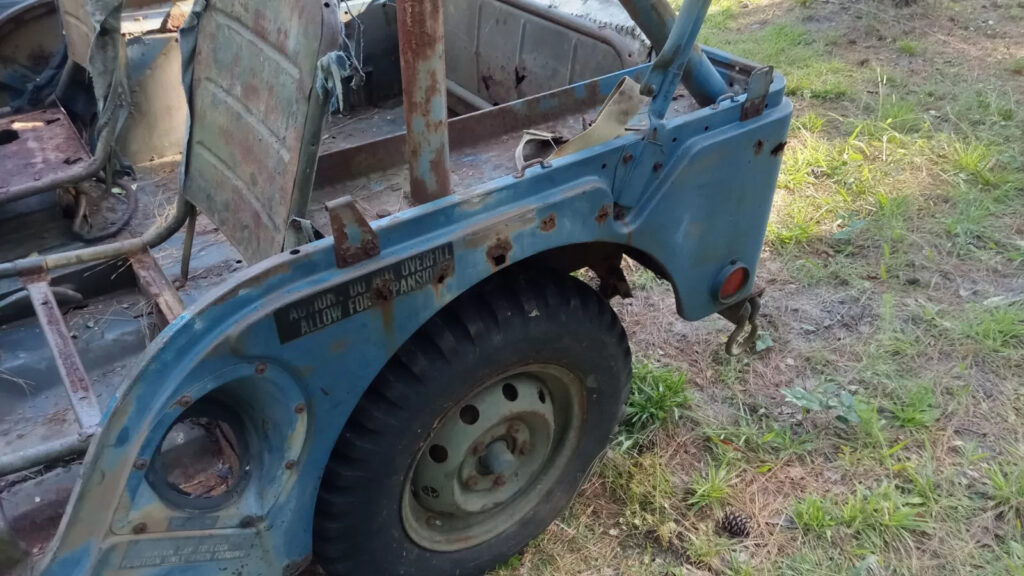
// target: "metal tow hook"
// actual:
[[745, 319]]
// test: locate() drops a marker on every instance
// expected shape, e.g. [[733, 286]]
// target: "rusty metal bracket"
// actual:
[[757, 93], [156, 286], [76, 381], [349, 226]]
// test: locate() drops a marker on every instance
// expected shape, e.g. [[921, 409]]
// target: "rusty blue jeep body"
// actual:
[[291, 342]]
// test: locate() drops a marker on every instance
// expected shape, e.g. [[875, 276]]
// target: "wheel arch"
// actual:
[[233, 330]]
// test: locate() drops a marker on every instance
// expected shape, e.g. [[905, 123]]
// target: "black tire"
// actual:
[[514, 319]]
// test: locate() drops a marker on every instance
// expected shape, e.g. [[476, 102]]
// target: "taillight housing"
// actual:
[[732, 281]]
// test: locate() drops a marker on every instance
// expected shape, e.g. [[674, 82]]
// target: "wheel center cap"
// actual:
[[497, 459]]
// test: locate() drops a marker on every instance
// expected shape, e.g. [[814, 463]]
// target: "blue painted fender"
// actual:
[[292, 342]]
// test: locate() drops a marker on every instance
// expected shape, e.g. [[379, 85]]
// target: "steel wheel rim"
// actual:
[[492, 457]]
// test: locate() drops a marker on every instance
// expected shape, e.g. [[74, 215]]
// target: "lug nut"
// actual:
[[289, 465], [499, 480], [513, 428], [300, 408], [184, 401], [261, 368], [524, 447], [473, 481], [140, 464], [139, 528]]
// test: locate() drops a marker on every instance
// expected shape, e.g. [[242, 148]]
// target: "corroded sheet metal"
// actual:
[[421, 49], [473, 129], [76, 381], [253, 75], [35, 145], [354, 239]]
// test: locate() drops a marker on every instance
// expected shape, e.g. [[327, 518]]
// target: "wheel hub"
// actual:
[[497, 459], [487, 453], [482, 456]]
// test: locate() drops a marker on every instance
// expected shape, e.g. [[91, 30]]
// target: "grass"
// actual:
[[880, 434], [916, 408], [1017, 66], [909, 47], [1006, 490], [712, 487], [658, 397], [875, 518], [643, 488]]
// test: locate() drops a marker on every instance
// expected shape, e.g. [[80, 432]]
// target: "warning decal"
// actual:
[[337, 303]]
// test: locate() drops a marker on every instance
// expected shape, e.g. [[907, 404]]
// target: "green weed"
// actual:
[[767, 442], [916, 409], [995, 330], [909, 47], [711, 487], [877, 518], [814, 515], [658, 397], [1006, 489]]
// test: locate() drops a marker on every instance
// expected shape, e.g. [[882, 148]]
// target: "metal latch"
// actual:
[[757, 93], [744, 315]]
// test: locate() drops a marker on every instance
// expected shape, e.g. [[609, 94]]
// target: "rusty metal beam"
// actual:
[[155, 286], [421, 50], [76, 381]]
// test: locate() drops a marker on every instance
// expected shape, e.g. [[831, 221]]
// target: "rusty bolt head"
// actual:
[[184, 401], [499, 481], [140, 528], [473, 481], [524, 447], [627, 158], [657, 166], [261, 368], [289, 465], [300, 408], [514, 428], [140, 464], [479, 449]]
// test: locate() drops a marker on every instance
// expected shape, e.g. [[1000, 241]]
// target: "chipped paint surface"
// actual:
[[421, 50], [227, 347]]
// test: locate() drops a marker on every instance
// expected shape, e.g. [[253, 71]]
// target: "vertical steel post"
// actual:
[[421, 49], [664, 74]]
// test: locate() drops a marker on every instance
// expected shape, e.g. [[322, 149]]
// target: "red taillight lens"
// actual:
[[734, 281]]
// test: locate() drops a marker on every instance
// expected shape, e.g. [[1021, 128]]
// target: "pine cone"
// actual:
[[735, 523]]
